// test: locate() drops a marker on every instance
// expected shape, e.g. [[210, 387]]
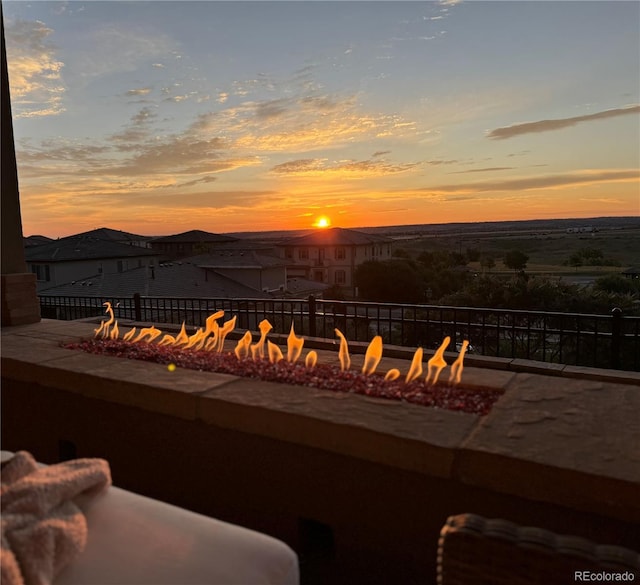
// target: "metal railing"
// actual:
[[607, 341]]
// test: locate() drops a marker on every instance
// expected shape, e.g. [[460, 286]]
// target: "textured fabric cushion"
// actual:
[[134, 540]]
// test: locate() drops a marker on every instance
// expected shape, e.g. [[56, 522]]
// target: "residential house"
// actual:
[[189, 243], [253, 268], [331, 256], [175, 279], [31, 241], [118, 236], [76, 257]]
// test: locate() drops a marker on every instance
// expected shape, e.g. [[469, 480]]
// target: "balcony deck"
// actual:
[[356, 485]]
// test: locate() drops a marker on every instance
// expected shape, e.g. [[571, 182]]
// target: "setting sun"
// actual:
[[322, 222]]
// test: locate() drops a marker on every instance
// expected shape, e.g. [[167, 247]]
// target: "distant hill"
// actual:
[[418, 230]]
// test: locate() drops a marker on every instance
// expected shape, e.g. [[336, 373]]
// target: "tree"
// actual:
[[473, 254], [516, 260], [575, 260], [487, 262], [389, 281], [617, 284]]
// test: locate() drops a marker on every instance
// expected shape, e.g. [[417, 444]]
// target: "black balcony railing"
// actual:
[[606, 341]]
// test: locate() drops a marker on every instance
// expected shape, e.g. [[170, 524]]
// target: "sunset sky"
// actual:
[[159, 117]]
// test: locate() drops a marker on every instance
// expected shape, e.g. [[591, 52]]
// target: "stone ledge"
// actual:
[[575, 441], [393, 433], [571, 442]]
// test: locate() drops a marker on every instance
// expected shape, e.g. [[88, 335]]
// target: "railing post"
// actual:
[[312, 316], [616, 337], [137, 307]]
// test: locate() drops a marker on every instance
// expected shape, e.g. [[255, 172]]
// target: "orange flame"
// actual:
[[182, 337], [392, 374], [166, 340], [196, 339], [456, 367], [227, 328], [343, 353], [104, 325], [212, 342], [128, 336], [258, 348], [436, 364], [275, 355], [150, 332], [294, 346], [213, 337], [373, 356], [211, 322], [415, 371], [242, 348], [312, 359]]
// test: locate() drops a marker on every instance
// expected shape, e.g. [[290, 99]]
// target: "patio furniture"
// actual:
[[477, 551], [133, 539]]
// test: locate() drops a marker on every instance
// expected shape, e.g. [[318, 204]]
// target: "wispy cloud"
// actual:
[[310, 167], [301, 123], [559, 123], [34, 70], [485, 170], [586, 177], [136, 131], [139, 91], [111, 48]]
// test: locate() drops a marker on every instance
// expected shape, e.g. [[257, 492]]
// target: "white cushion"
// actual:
[[134, 540]]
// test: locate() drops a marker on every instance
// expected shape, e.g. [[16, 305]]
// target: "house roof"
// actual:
[[175, 280], [193, 237], [304, 287], [112, 235], [230, 258], [83, 247], [335, 237], [36, 240]]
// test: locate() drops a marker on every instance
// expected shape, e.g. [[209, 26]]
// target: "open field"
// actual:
[[547, 251]]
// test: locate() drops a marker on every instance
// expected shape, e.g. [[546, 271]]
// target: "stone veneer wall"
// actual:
[[359, 487]]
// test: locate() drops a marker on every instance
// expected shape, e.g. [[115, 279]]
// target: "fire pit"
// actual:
[[204, 351]]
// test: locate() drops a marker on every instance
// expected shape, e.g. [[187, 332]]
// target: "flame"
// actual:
[[227, 328], [128, 336], [392, 374], [275, 355], [167, 340], [294, 346], [182, 337], [198, 338], [150, 332], [210, 324], [258, 348], [312, 359], [343, 353], [104, 325], [213, 336], [373, 356], [456, 367], [242, 348], [436, 364], [212, 342], [415, 371]]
